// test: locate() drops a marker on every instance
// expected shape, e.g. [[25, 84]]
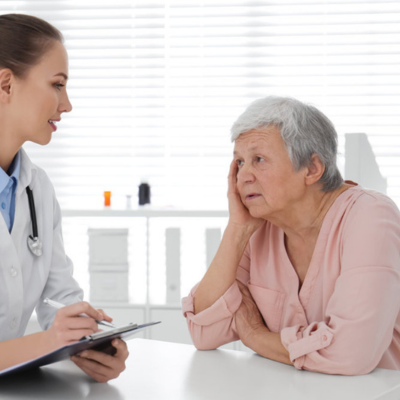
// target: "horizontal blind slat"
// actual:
[[156, 85]]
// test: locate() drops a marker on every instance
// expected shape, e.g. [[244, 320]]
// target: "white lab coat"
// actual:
[[25, 280]]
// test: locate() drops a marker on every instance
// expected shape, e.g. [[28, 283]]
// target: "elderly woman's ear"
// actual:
[[314, 171]]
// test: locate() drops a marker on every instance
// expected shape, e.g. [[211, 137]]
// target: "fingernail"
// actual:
[[101, 317], [83, 354]]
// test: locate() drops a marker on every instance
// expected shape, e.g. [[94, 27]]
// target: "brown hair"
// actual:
[[24, 39]]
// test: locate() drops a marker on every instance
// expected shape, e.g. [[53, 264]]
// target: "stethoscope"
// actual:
[[34, 243]]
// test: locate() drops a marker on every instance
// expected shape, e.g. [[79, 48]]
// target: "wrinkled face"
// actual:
[[268, 185], [39, 99]]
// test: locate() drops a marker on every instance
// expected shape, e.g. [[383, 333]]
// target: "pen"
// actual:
[[58, 305]]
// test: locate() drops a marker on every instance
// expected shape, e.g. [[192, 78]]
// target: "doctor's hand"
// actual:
[[69, 326], [248, 318], [101, 366]]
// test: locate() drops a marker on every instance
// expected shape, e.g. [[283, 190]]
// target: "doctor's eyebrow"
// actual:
[[63, 75]]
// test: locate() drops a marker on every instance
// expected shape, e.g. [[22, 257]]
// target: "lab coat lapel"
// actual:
[[22, 220], [23, 223], [13, 254], [11, 274]]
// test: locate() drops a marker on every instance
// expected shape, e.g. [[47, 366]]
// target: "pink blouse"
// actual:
[[346, 317]]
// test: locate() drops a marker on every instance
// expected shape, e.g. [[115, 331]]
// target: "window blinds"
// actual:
[[156, 85]]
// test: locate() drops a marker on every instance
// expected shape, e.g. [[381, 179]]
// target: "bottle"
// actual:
[[128, 202], [144, 193], [107, 199]]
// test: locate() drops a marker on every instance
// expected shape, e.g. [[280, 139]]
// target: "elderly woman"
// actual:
[[307, 272]]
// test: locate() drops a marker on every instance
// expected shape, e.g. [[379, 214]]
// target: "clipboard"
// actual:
[[100, 341]]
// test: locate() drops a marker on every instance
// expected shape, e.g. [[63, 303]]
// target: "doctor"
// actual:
[[33, 97]]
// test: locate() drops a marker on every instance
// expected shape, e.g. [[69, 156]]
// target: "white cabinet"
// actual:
[[157, 255], [108, 265], [108, 246], [108, 286]]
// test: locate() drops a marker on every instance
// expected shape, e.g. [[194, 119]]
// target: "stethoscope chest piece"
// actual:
[[35, 245]]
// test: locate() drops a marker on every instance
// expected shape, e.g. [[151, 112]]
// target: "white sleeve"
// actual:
[[60, 285]]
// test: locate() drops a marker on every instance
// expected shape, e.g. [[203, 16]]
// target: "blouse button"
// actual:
[[324, 338], [3, 206], [13, 272]]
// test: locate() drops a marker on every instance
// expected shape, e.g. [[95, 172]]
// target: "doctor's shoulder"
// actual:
[[40, 184]]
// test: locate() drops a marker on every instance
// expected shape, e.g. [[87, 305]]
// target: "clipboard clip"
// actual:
[[109, 332]]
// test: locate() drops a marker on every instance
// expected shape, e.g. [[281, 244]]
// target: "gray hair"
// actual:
[[304, 129]]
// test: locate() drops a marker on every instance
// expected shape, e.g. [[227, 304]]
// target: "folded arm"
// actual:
[[253, 332], [363, 311], [359, 327]]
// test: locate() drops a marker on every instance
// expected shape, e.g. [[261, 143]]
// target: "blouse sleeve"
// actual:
[[215, 326], [362, 312]]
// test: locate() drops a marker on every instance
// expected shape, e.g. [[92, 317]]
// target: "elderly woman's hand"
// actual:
[[248, 318], [238, 214]]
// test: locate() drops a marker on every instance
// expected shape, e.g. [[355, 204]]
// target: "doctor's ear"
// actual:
[[6, 78]]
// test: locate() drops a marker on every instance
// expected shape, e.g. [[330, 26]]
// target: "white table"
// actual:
[[161, 370]]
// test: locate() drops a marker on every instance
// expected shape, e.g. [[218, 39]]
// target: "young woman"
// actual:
[[33, 97]]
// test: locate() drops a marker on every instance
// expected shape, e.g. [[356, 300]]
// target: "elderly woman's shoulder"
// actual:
[[370, 202], [373, 196]]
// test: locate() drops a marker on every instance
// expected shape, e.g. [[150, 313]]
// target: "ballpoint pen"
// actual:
[[58, 305]]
